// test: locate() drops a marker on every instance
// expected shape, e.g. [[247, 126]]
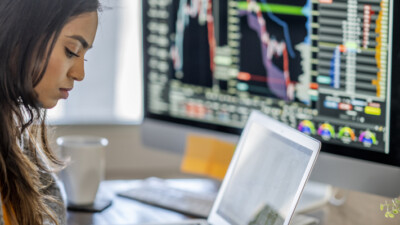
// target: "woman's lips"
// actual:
[[65, 92]]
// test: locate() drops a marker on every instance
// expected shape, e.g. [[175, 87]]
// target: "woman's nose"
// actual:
[[77, 72]]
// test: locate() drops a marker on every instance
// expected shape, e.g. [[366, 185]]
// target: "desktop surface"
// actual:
[[359, 208]]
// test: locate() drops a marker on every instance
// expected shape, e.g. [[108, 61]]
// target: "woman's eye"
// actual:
[[70, 54]]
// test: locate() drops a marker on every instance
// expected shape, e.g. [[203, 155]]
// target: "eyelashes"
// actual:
[[70, 53]]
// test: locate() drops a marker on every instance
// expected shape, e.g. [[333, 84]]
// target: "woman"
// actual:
[[42, 48]]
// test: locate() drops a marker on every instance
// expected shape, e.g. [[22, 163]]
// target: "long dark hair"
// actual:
[[28, 32]]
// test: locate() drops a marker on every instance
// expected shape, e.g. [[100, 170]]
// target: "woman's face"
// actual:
[[66, 63]]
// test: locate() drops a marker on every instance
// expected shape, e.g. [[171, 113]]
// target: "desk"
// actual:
[[359, 209]]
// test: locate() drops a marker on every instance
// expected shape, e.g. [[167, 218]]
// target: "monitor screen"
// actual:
[[325, 67]]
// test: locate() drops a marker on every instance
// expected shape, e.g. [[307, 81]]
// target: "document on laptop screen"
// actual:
[[264, 182]]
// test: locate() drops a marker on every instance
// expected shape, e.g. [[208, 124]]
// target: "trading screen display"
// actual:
[[321, 66]]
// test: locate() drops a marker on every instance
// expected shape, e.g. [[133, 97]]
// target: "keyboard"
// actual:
[[155, 191], [177, 199]]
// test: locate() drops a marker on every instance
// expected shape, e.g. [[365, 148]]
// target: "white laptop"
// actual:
[[266, 176]]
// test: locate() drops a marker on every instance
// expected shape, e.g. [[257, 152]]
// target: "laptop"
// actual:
[[266, 176]]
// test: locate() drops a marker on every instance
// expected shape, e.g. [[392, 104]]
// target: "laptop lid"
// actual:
[[267, 174]]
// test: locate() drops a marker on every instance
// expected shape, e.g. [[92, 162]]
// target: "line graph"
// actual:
[[202, 10], [276, 43]]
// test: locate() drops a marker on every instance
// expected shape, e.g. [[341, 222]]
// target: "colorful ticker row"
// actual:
[[346, 134]]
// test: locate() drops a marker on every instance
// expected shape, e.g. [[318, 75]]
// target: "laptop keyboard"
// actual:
[[176, 199]]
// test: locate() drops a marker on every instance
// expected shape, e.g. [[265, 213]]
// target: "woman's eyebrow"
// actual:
[[81, 40]]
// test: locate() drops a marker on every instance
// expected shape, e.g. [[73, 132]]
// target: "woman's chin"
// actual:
[[48, 104]]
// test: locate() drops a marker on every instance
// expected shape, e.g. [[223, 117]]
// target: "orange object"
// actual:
[[207, 156], [314, 86], [342, 48], [5, 217], [244, 76]]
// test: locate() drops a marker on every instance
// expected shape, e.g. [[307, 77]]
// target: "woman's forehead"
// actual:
[[82, 28]]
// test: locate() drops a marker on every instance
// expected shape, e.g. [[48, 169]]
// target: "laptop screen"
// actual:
[[265, 179]]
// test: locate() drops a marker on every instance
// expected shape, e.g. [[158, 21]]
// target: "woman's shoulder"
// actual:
[[52, 185], [55, 189]]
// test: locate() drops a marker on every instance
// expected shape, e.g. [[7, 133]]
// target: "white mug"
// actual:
[[86, 168]]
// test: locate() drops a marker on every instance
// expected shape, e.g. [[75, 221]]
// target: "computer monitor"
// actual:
[[326, 67]]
